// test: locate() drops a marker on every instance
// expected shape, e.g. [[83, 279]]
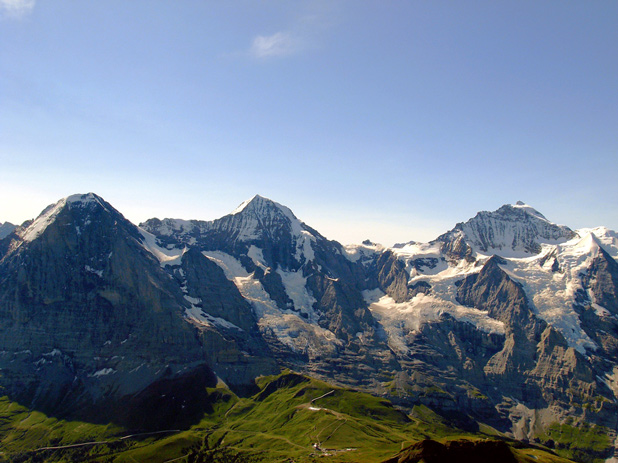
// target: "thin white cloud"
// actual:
[[16, 8], [279, 44], [305, 30]]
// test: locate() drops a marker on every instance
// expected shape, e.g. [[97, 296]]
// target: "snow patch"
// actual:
[[241, 207], [286, 325], [89, 269], [399, 319], [102, 372], [295, 287], [361, 252], [373, 295], [40, 224], [164, 256], [53, 353], [303, 244], [257, 256], [198, 316]]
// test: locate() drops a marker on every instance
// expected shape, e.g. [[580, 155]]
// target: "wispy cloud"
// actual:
[[16, 8], [305, 31], [279, 44]]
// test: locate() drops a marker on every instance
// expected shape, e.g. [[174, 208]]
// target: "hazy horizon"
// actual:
[[386, 121]]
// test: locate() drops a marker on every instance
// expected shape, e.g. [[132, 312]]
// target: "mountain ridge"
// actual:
[[507, 318]]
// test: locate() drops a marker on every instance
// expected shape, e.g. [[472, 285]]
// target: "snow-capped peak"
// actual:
[[260, 215], [261, 206], [511, 231], [529, 210], [260, 212], [49, 214], [606, 238], [87, 198], [588, 244], [242, 206]]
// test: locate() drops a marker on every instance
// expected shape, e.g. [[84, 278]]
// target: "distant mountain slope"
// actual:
[[508, 320], [6, 229]]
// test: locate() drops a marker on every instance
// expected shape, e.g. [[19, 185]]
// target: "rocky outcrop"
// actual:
[[392, 276], [601, 280], [494, 291], [6, 229], [431, 451]]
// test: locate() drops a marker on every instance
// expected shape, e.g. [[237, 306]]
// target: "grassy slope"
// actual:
[[281, 423]]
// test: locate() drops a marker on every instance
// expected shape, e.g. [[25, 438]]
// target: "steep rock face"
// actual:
[[392, 276], [309, 292], [444, 369], [492, 290], [86, 312], [601, 280], [519, 340], [561, 368], [536, 366], [226, 323], [204, 280], [512, 229]]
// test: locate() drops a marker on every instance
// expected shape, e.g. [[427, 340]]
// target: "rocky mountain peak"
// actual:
[[6, 229], [527, 209], [79, 204], [513, 230], [266, 213], [261, 218], [78, 220], [589, 244]]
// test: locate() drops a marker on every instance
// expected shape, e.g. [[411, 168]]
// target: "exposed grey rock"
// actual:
[[510, 228], [6, 229], [89, 313]]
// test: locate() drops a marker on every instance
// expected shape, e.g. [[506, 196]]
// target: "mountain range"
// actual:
[[507, 321]]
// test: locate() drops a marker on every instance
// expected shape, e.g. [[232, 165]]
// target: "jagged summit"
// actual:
[[80, 220], [258, 215], [258, 203], [511, 230], [520, 205], [264, 208], [257, 223], [89, 201]]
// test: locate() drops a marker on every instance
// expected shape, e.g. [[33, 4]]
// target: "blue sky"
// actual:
[[388, 120]]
